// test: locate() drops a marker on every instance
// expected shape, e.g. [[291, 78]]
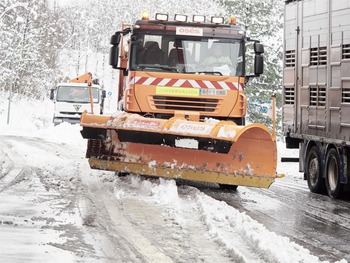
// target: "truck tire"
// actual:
[[332, 172], [228, 187], [121, 174], [313, 171]]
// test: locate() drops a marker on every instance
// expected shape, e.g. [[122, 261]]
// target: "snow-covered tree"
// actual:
[[28, 47], [95, 21], [262, 20]]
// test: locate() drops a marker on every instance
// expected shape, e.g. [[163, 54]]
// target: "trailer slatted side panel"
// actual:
[[316, 90]]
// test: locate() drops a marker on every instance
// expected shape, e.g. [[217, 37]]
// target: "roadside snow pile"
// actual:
[[243, 229], [31, 114], [30, 117]]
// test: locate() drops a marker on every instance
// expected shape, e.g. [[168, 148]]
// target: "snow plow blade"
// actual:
[[218, 152]]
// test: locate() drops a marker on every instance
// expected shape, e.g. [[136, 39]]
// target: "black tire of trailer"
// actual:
[[332, 172], [313, 171]]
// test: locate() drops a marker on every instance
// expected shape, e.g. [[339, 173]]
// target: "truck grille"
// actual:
[[187, 104], [70, 113]]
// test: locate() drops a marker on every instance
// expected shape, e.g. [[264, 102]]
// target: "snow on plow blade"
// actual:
[[219, 152]]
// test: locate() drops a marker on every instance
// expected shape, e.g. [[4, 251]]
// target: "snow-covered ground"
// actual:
[[224, 225]]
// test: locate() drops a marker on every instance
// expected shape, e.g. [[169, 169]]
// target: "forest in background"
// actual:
[[36, 35]]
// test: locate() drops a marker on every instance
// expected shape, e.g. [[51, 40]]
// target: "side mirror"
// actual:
[[258, 48], [115, 39], [114, 52], [52, 94], [258, 60], [114, 56], [258, 65]]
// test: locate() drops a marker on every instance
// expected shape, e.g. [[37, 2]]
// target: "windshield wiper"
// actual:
[[164, 67], [206, 72]]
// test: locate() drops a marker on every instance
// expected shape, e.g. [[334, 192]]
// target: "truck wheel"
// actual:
[[228, 187], [313, 171], [121, 174], [333, 185]]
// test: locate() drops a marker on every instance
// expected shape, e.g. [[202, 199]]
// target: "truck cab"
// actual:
[[72, 99], [179, 67]]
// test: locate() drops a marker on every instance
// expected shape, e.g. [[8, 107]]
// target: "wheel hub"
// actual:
[[313, 170], [332, 174]]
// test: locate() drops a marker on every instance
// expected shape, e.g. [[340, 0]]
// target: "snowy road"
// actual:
[[54, 208]]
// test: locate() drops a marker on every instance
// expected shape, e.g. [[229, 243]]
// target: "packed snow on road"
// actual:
[[54, 208]]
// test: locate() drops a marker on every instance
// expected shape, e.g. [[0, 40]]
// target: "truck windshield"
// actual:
[[187, 55], [76, 94]]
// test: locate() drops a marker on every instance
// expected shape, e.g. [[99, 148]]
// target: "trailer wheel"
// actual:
[[333, 185], [313, 171]]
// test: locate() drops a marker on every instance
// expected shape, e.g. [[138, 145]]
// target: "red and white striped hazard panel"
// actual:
[[186, 83]]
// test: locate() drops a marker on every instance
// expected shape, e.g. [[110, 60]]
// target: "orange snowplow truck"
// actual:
[[182, 105]]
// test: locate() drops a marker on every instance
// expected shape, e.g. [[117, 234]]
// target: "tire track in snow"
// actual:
[[9, 178], [127, 239], [14, 170], [142, 244]]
